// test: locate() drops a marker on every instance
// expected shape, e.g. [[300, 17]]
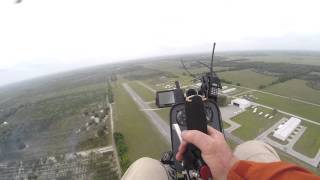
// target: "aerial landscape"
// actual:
[[94, 122], [185, 90]]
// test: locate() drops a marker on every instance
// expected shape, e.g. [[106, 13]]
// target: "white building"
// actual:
[[228, 90], [284, 130], [241, 103]]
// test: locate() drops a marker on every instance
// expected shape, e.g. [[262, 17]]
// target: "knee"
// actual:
[[256, 151], [143, 160], [145, 168]]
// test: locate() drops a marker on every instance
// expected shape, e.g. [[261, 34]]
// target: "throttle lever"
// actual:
[[196, 120]]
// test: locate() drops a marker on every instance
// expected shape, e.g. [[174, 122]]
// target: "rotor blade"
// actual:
[[204, 64], [186, 69]]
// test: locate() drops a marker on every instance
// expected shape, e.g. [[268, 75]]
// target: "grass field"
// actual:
[[252, 124], [143, 92], [296, 88], [164, 113], [142, 138], [247, 78], [225, 125], [309, 143], [297, 108]]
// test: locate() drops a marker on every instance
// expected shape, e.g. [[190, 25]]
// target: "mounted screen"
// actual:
[[165, 98]]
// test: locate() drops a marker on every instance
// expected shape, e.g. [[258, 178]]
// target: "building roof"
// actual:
[[284, 130], [228, 90], [241, 101]]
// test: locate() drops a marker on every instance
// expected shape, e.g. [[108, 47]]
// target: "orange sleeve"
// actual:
[[276, 170]]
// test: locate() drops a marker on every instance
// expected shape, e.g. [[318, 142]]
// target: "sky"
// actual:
[[39, 37]]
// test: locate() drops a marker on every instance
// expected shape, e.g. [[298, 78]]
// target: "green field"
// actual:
[[225, 125], [164, 113], [309, 143], [252, 124], [297, 108], [142, 138], [143, 92], [296, 88], [247, 78]]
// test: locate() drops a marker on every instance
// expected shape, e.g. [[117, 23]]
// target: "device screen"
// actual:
[[166, 98]]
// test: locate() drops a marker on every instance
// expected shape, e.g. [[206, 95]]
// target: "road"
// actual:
[[113, 143], [95, 150], [227, 113], [154, 118]]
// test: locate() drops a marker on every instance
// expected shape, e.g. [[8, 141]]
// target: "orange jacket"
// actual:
[[276, 170]]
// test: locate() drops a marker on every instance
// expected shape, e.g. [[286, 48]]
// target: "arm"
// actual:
[[275, 170]]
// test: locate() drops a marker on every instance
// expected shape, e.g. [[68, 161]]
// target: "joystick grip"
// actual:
[[195, 115]]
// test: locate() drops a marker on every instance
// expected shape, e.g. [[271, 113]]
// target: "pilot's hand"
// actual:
[[214, 150]]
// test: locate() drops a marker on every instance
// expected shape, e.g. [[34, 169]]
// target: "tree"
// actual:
[[101, 132], [262, 86], [109, 92], [113, 77], [274, 111], [238, 84]]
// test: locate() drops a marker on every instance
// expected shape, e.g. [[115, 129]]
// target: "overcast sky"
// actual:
[[44, 36]]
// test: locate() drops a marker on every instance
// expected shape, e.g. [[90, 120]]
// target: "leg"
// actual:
[[145, 168], [257, 151]]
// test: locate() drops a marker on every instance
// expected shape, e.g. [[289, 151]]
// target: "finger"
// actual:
[[182, 149], [183, 146], [211, 131], [196, 138], [214, 133]]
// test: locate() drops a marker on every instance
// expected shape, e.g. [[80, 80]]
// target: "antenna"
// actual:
[[185, 68], [211, 66]]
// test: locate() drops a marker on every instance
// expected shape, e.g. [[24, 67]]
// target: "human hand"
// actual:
[[214, 150]]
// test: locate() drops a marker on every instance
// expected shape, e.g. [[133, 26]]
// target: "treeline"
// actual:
[[140, 73], [284, 71], [110, 92], [122, 150], [222, 100], [276, 68]]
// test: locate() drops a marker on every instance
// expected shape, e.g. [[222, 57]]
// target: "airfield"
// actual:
[[291, 98]]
